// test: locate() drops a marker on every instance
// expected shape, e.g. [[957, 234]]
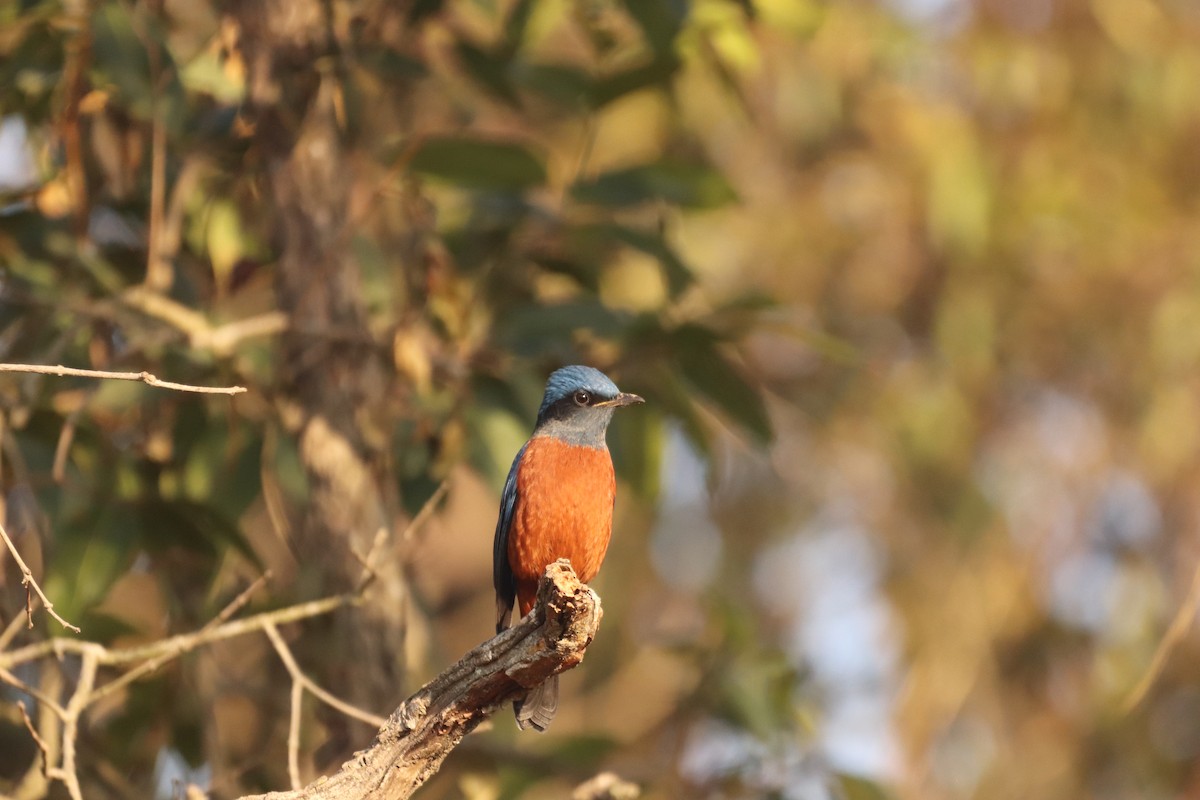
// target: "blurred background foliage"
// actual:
[[912, 288]]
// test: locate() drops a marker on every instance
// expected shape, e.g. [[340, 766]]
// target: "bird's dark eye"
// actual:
[[582, 398]]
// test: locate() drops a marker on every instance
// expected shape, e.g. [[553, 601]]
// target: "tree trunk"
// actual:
[[333, 377]]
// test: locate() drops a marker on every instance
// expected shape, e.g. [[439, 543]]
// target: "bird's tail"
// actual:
[[538, 707]]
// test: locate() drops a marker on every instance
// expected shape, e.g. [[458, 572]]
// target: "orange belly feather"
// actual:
[[564, 510]]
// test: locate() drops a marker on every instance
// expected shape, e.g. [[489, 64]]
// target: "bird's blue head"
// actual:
[[579, 403]]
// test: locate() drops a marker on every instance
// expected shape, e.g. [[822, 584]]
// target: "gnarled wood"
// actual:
[[419, 734]]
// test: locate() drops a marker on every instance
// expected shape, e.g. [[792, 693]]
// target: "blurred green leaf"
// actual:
[[536, 330], [562, 83], [120, 57], [479, 163], [636, 441], [660, 20], [390, 65], [489, 69], [95, 549], [709, 371], [516, 24], [656, 72], [679, 276], [193, 526], [687, 185]]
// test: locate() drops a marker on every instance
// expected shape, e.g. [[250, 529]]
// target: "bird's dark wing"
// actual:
[[502, 574]]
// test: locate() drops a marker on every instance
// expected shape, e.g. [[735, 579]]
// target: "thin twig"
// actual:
[[406, 538], [154, 663], [181, 643], [37, 739], [417, 736], [1178, 628], [236, 604], [293, 743], [302, 680], [426, 512], [29, 583], [32, 691], [10, 632], [368, 563], [80, 699], [61, 450], [144, 377], [158, 268]]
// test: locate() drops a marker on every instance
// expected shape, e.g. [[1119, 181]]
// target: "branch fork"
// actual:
[[417, 737]]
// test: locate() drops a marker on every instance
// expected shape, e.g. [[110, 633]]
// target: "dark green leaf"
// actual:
[[657, 72], [636, 441], [489, 70], [192, 526], [660, 20], [479, 164], [537, 330], [121, 59], [711, 373], [681, 184], [95, 549], [564, 84], [515, 25], [391, 66], [679, 276]]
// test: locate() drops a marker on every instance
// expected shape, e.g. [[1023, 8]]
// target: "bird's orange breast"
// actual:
[[564, 509]]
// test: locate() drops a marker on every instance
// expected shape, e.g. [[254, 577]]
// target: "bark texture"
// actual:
[[419, 734], [334, 380]]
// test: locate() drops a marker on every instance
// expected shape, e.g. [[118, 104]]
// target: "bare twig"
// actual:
[[301, 679], [144, 377], [418, 522], [180, 644], [29, 583], [37, 739], [64, 720], [10, 632], [413, 742], [65, 438], [32, 691], [153, 663], [80, 699], [1176, 631], [236, 604], [293, 743], [368, 563]]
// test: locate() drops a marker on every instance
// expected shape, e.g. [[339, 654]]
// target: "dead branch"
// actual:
[[417, 737], [29, 583], [144, 377]]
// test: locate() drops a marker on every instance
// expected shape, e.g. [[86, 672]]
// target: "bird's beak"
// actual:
[[623, 399]]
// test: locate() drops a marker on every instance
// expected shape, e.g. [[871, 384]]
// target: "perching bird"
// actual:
[[557, 503]]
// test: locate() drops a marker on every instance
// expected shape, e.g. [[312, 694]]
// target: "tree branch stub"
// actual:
[[417, 736]]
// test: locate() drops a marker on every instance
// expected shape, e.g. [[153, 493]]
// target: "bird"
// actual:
[[557, 503]]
